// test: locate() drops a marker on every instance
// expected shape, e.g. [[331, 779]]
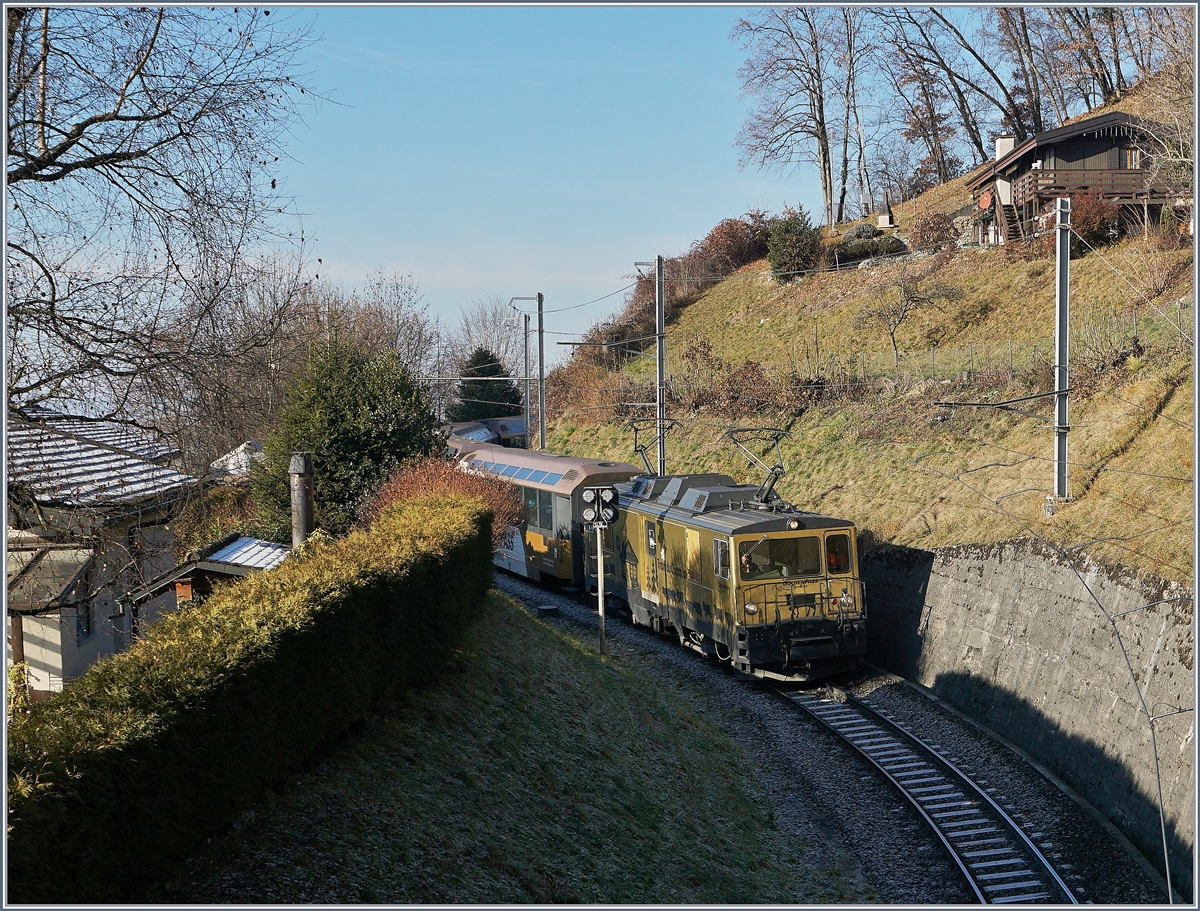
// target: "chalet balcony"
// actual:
[[1035, 187]]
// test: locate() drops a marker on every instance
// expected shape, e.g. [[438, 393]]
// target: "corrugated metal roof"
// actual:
[[133, 440], [253, 553], [63, 470]]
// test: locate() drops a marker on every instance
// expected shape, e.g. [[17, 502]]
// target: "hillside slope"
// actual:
[[867, 440]]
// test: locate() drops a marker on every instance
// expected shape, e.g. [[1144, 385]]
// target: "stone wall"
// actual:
[[1016, 638]]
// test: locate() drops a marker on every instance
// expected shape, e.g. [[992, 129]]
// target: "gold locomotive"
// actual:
[[751, 580]]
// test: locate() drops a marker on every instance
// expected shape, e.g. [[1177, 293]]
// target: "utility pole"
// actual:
[[1061, 342], [541, 371], [526, 375], [541, 377], [660, 328]]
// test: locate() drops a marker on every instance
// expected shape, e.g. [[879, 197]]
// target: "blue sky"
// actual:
[[511, 150]]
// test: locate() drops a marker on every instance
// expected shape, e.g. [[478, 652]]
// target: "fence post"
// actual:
[[932, 366]]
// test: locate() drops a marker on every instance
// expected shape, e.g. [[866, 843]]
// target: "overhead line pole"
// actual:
[[660, 324], [1061, 342], [541, 377]]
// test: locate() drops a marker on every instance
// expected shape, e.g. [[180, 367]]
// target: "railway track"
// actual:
[[999, 861]]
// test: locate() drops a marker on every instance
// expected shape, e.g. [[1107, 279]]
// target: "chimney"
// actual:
[[1005, 144], [301, 471]]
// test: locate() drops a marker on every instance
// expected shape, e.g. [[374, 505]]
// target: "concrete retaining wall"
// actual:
[[1010, 635]]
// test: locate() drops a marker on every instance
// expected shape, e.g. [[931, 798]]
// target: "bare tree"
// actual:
[[490, 323], [144, 196], [792, 71], [899, 296]]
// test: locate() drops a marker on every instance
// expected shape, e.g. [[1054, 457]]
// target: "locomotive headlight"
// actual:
[[793, 524], [751, 607]]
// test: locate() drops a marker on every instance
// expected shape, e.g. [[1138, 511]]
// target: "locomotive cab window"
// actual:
[[651, 541], [721, 558], [837, 552], [780, 558]]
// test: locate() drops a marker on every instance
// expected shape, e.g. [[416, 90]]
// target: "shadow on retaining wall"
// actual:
[[1080, 762], [896, 582]]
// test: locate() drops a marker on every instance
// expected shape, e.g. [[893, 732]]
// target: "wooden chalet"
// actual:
[[1101, 154]]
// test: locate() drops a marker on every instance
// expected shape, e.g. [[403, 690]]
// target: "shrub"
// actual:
[[864, 231], [360, 415], [1030, 248], [164, 744], [856, 249], [932, 231], [1095, 220], [735, 242], [435, 476], [794, 245]]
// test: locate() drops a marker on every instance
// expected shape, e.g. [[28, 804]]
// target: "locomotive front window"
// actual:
[[837, 552], [780, 558]]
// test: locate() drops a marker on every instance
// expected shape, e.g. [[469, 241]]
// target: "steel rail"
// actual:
[[997, 859]]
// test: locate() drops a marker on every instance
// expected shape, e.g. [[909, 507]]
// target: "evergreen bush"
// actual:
[[360, 415], [794, 245], [485, 395]]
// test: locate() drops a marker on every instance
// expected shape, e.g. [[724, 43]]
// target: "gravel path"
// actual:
[[823, 793]]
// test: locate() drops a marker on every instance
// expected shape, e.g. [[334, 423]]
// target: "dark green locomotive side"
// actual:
[[770, 588]]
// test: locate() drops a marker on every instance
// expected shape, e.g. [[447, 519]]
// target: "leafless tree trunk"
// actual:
[[790, 71]]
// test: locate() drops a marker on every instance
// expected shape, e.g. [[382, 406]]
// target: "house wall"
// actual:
[[56, 648], [43, 651]]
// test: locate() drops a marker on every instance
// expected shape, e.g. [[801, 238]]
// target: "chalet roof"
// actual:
[[64, 468], [1103, 123], [251, 553], [237, 463]]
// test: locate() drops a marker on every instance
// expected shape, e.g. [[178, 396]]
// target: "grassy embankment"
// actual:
[[538, 772], [916, 474]]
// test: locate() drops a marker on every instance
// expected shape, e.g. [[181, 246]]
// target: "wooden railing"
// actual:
[[1040, 184]]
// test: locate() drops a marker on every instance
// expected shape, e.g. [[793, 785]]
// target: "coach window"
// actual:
[[546, 511], [721, 558], [837, 552], [530, 496]]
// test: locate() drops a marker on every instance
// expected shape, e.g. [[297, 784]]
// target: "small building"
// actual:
[[89, 511], [235, 465], [225, 560], [1015, 192]]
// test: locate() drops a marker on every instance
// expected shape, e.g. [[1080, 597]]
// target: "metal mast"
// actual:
[[1061, 343], [660, 324]]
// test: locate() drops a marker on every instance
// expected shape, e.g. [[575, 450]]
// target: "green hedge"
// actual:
[[152, 750]]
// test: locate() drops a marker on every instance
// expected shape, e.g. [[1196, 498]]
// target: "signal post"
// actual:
[[599, 511]]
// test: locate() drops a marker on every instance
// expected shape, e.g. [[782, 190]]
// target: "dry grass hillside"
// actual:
[[866, 438]]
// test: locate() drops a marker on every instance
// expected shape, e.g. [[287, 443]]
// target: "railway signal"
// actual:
[[599, 511], [599, 506]]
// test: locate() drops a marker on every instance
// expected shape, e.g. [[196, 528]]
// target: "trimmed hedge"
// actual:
[[149, 752]]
